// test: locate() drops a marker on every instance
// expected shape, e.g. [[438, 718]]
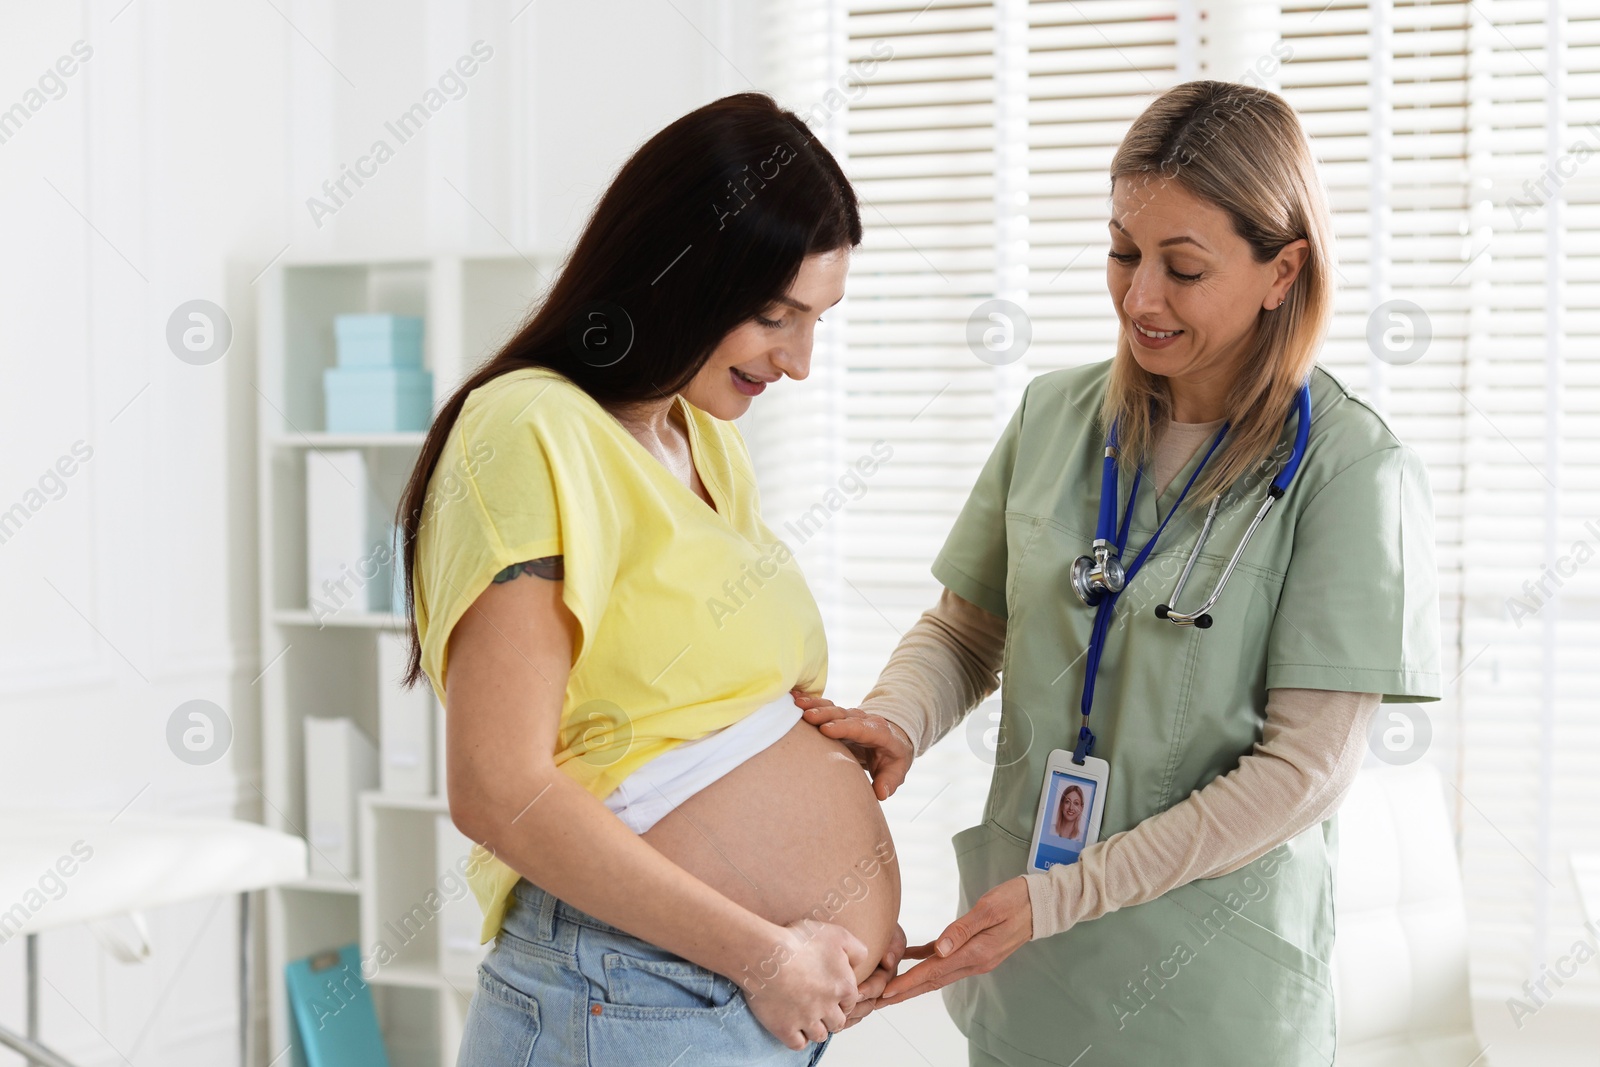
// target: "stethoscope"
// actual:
[[1099, 578]]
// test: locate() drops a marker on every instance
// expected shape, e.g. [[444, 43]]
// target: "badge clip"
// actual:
[[1085, 745]]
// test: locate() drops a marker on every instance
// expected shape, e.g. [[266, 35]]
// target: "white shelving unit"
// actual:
[[328, 668]]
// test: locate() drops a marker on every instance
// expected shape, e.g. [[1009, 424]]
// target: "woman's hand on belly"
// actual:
[[880, 746], [814, 962]]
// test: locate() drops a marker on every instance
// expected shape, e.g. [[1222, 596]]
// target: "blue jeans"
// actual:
[[560, 987]]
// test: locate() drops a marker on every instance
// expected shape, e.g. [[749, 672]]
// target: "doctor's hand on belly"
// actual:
[[882, 748], [999, 923]]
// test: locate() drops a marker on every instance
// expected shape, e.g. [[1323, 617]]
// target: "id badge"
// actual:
[[1071, 803]]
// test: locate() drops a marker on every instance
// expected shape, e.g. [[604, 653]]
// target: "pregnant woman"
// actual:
[[675, 867]]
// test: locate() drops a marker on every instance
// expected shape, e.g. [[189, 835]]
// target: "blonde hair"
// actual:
[[1242, 149]]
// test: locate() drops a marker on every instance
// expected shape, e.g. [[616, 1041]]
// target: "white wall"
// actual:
[[176, 164]]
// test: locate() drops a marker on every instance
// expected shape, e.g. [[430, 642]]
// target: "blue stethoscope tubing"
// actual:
[[1105, 597]]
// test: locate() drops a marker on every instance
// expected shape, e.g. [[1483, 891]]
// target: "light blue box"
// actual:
[[377, 399], [375, 341]]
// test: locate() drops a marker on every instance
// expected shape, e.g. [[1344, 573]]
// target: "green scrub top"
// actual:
[[1337, 590]]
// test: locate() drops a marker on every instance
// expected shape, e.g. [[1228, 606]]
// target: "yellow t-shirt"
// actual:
[[688, 619]]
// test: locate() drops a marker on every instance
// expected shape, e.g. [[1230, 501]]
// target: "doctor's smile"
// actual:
[[1153, 338]]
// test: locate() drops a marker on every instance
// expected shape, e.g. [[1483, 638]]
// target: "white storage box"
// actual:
[[348, 550], [341, 763], [405, 723]]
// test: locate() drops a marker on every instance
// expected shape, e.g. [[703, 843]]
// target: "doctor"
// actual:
[[1199, 927]]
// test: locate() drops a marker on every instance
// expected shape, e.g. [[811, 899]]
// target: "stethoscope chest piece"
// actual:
[[1095, 576]]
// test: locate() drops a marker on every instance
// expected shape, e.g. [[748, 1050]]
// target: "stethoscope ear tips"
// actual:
[[1162, 610], [1203, 622]]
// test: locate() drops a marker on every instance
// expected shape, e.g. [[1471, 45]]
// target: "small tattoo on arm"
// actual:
[[549, 568]]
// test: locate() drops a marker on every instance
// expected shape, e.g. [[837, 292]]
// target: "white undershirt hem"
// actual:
[[646, 796]]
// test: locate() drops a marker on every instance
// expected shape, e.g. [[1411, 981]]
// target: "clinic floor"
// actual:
[[920, 1033]]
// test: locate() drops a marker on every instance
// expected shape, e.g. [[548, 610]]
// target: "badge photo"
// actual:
[[1071, 803]]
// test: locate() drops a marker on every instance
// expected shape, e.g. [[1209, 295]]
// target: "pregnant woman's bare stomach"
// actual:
[[795, 830]]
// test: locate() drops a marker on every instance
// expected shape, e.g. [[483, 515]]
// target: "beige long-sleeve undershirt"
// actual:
[[1293, 778]]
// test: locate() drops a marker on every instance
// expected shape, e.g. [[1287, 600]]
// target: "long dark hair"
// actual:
[[703, 228]]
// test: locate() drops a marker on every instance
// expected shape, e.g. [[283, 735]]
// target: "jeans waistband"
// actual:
[[547, 908]]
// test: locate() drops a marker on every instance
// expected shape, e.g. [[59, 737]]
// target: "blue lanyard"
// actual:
[[1102, 617]]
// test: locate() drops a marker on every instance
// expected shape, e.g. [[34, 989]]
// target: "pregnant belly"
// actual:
[[795, 830]]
